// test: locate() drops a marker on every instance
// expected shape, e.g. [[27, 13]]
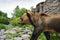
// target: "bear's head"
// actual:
[[25, 19], [31, 18]]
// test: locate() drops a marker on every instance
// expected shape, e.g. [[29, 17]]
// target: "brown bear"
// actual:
[[41, 22]]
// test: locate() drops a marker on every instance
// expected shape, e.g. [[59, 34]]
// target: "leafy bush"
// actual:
[[28, 26], [42, 37], [4, 20], [15, 21], [2, 26]]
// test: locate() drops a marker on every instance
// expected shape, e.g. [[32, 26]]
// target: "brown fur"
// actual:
[[53, 23], [42, 22]]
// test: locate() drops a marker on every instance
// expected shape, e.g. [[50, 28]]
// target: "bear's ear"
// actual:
[[28, 15], [43, 14]]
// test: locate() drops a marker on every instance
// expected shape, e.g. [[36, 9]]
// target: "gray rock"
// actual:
[[25, 36], [2, 37], [8, 39], [24, 32], [49, 7], [2, 32], [10, 31], [18, 38]]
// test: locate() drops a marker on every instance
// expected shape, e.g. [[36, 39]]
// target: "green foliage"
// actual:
[[55, 36], [28, 26], [3, 14], [2, 26], [3, 18], [15, 21], [18, 12], [42, 37], [22, 11]]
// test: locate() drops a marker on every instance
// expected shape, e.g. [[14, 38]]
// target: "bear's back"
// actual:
[[53, 22]]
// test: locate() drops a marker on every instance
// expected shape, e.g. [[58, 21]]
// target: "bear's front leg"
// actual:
[[47, 35], [37, 31]]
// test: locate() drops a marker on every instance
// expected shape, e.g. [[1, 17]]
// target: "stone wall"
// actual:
[[49, 6]]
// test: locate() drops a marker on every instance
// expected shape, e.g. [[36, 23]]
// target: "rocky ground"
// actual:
[[15, 34]]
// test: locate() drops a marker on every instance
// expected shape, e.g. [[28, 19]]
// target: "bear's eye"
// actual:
[[21, 19]]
